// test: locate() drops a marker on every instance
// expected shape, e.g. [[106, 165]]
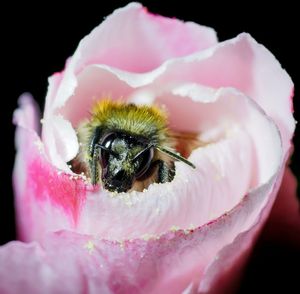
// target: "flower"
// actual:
[[192, 234]]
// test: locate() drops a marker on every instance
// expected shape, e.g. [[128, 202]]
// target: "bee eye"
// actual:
[[105, 151], [107, 140], [104, 157], [144, 160]]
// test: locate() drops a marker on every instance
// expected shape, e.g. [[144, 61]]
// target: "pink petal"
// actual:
[[134, 40], [283, 225], [57, 266], [61, 140], [250, 67], [58, 153], [27, 115]]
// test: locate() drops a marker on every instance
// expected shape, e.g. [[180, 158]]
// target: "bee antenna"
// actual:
[[107, 149], [143, 151], [174, 155]]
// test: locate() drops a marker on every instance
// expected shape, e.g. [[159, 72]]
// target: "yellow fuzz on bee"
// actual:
[[140, 120]]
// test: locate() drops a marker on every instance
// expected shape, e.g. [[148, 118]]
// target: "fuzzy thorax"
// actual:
[[143, 120]]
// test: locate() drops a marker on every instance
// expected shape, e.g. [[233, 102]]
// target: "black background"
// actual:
[[36, 40]]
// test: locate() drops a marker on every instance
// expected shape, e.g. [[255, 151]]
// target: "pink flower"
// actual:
[[191, 235]]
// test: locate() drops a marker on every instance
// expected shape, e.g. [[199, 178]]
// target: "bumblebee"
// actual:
[[127, 147]]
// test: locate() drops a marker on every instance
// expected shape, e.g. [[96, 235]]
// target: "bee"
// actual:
[[126, 146]]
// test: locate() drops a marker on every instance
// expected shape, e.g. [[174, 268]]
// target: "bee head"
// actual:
[[123, 159]]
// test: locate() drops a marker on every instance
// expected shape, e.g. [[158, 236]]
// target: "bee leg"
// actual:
[[93, 152], [166, 172], [93, 164]]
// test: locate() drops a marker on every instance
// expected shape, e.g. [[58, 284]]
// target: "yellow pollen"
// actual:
[[174, 228], [90, 246]]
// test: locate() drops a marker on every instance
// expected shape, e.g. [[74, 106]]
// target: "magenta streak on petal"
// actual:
[[46, 183]]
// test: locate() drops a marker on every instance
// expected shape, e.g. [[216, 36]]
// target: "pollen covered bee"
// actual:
[[127, 147]]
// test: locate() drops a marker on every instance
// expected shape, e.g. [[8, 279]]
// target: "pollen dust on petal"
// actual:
[[40, 146], [174, 228], [90, 246]]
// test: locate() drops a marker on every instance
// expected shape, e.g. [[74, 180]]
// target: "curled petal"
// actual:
[[27, 115], [61, 140], [134, 40]]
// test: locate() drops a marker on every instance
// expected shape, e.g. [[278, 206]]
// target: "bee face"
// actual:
[[123, 160], [128, 146]]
